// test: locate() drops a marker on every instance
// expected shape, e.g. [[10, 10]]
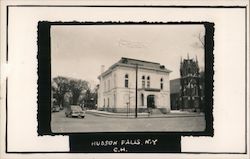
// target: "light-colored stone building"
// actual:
[[117, 87]]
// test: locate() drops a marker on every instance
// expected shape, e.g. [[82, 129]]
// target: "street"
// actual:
[[93, 123]]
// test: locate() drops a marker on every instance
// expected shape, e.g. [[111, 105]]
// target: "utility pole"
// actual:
[[136, 85]]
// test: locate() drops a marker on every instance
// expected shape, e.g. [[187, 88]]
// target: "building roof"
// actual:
[[133, 62], [175, 86], [129, 62]]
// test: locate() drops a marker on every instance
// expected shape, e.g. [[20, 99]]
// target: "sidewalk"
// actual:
[[172, 114]]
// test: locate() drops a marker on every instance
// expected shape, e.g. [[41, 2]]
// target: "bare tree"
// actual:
[[201, 38], [200, 43]]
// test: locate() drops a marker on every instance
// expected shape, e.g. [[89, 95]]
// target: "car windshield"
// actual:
[[75, 108]]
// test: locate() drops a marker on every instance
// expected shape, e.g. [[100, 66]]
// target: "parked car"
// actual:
[[75, 111]]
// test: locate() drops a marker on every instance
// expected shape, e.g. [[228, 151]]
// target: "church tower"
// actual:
[[191, 95]]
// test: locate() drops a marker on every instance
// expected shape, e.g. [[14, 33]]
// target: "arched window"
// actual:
[[161, 83], [104, 85], [126, 81], [108, 85], [148, 82], [143, 81], [114, 81], [108, 102], [142, 99], [114, 100]]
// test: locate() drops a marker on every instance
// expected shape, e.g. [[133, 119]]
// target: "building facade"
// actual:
[[117, 87], [190, 96], [175, 94]]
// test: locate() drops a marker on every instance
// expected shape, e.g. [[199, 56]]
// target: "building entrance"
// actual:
[[151, 101]]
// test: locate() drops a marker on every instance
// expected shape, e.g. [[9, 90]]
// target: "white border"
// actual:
[[5, 71]]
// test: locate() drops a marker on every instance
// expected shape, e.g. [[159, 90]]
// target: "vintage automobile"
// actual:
[[75, 111]]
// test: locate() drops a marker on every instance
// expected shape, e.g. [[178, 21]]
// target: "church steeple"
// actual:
[[190, 95]]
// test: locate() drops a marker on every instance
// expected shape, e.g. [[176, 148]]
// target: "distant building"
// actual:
[[187, 92], [175, 94], [117, 87]]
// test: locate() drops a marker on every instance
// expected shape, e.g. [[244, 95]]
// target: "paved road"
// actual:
[[92, 123]]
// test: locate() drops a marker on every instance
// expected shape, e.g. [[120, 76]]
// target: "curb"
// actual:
[[132, 116]]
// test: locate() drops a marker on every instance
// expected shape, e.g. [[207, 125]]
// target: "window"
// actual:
[[108, 85], [114, 100], [104, 102], [143, 81], [108, 102], [148, 82], [142, 99], [114, 81], [104, 85], [161, 83], [196, 91], [200, 86], [126, 81], [184, 91]]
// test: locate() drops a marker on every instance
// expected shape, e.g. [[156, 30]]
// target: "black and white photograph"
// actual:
[[128, 78]]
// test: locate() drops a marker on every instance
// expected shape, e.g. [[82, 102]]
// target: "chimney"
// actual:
[[102, 69]]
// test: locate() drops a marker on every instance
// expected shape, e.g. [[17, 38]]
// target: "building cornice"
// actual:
[[111, 68]]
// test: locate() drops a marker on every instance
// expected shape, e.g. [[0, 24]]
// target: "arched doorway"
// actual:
[[151, 101]]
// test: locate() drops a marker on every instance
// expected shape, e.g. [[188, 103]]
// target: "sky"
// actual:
[[78, 51]]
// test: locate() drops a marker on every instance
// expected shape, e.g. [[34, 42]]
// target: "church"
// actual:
[[187, 92], [117, 88]]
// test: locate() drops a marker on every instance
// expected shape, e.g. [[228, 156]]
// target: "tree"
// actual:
[[77, 87], [201, 38], [60, 85], [200, 42], [90, 99]]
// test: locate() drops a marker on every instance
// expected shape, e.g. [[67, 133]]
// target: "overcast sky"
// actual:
[[78, 51]]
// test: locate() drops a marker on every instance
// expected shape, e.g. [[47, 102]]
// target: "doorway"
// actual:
[[151, 101]]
